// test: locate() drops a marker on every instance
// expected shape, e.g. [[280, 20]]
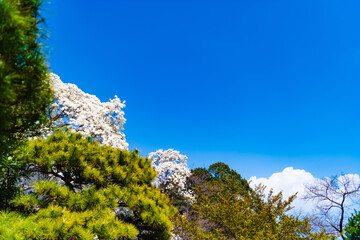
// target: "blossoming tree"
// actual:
[[86, 114], [172, 170]]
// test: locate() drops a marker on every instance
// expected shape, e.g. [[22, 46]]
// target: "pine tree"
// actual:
[[352, 228], [91, 191], [24, 87]]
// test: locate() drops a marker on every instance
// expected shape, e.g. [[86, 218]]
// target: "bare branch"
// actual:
[[333, 197]]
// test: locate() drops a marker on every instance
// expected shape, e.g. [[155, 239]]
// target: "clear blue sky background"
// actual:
[[259, 85]]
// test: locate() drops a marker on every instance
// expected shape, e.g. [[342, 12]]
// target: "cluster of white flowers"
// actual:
[[86, 114], [172, 171]]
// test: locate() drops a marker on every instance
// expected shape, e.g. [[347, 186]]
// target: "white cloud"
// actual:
[[289, 181]]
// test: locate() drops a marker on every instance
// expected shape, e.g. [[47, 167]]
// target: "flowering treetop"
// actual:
[[86, 114], [172, 171]]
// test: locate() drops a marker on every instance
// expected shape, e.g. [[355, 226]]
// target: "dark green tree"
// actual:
[[217, 175], [209, 182], [24, 88], [87, 191], [221, 174], [352, 228]]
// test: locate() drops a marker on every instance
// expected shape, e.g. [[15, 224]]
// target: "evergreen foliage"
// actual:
[[352, 228], [227, 208], [221, 174], [24, 88], [215, 178], [93, 191]]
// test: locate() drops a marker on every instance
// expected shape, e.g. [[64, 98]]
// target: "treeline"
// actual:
[[66, 172]]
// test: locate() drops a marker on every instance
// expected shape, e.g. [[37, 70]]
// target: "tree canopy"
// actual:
[[24, 88], [227, 208], [352, 228], [88, 190]]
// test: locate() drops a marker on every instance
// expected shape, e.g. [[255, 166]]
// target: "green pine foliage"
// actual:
[[14, 225], [24, 88], [95, 191], [352, 228]]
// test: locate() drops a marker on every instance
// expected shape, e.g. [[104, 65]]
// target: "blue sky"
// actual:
[[259, 85]]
